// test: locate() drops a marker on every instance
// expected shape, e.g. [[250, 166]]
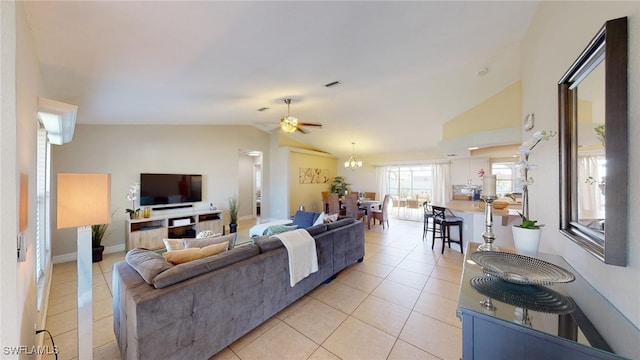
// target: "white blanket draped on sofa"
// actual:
[[303, 259]]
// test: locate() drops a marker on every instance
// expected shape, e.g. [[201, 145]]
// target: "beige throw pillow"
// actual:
[[330, 218], [176, 257]]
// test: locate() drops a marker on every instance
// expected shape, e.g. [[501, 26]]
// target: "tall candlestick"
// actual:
[[489, 185]]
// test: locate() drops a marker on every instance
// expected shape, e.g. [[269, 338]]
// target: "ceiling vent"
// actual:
[[332, 84], [263, 109]]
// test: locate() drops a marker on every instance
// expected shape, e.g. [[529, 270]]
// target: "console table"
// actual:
[[149, 232], [505, 331]]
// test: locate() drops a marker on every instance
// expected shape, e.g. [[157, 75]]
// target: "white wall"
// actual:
[[559, 32], [125, 151]]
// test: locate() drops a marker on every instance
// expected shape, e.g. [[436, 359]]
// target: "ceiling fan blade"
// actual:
[[301, 130], [309, 124]]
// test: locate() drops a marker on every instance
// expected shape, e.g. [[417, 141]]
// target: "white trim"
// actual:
[[73, 256]]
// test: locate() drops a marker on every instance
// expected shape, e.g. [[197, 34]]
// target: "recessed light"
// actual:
[[473, 148], [263, 109], [334, 83]]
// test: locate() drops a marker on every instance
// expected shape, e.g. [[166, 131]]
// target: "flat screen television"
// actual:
[[163, 189]]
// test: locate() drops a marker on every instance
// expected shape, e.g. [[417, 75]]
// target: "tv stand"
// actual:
[[148, 233]]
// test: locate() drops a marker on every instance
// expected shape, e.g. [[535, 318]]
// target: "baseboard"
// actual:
[[74, 255]]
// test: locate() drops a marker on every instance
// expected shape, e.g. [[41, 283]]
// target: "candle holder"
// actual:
[[488, 234]]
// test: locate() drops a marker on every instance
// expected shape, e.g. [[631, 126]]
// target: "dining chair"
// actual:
[[333, 202], [444, 223], [325, 195], [412, 206], [370, 195], [428, 218], [383, 214], [351, 207]]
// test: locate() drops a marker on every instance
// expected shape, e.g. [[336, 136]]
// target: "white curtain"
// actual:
[[442, 191], [590, 202], [381, 182]]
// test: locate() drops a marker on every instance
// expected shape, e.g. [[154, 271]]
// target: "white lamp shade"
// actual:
[[83, 199]]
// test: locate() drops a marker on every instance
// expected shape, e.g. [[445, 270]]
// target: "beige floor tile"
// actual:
[[341, 297], [254, 334], [394, 251], [382, 315], [280, 342], [67, 344], [373, 268], [355, 339], [417, 266], [438, 307], [103, 331], [64, 268], [101, 293], [102, 308], [66, 288], [433, 336], [316, 320], [323, 354], [293, 307], [225, 354], [409, 278], [62, 322], [447, 273], [453, 259], [61, 303], [359, 280], [404, 351], [442, 288], [108, 351], [371, 249], [398, 294], [386, 259]]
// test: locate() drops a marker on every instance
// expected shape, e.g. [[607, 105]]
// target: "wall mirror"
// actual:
[[592, 99]]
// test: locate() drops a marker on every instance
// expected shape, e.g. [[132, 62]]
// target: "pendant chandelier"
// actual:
[[289, 124], [352, 163]]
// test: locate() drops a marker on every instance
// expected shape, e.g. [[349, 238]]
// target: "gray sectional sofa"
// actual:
[[196, 309]]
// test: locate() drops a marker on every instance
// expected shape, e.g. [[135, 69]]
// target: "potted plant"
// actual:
[[526, 236], [98, 232], [233, 214], [339, 186], [134, 213]]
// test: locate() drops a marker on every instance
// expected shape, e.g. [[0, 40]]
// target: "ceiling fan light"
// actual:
[[289, 124]]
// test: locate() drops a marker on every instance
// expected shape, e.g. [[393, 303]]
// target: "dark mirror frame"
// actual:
[[610, 46]]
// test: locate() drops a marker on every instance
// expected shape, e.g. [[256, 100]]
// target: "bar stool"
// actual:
[[444, 227], [428, 219]]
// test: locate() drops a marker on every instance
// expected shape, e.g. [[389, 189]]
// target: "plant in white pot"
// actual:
[[526, 236]]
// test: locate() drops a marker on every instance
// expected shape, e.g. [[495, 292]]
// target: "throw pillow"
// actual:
[[173, 244], [147, 263], [207, 234], [330, 218], [215, 249], [182, 256], [202, 242], [320, 219], [277, 229], [304, 219]]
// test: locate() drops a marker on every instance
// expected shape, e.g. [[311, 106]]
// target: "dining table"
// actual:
[[369, 205]]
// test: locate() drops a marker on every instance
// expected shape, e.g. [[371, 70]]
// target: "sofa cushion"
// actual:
[[173, 244], [147, 263], [330, 218], [320, 219], [267, 243], [305, 219], [317, 229], [340, 223], [202, 242], [277, 229], [198, 267]]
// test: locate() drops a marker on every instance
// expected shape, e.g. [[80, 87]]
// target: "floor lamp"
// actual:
[[84, 200]]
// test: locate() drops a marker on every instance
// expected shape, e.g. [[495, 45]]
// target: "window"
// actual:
[[506, 174], [409, 181]]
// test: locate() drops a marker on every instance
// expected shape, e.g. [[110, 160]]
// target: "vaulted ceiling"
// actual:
[[405, 67]]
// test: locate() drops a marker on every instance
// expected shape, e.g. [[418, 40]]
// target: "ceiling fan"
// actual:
[[290, 124]]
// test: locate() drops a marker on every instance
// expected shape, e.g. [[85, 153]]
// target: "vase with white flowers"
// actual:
[[133, 212], [526, 235]]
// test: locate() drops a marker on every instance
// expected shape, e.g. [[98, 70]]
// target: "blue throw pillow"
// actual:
[[305, 219]]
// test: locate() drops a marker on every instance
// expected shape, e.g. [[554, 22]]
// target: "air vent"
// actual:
[[332, 84], [263, 109]]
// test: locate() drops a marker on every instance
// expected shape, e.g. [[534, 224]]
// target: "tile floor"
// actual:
[[397, 304]]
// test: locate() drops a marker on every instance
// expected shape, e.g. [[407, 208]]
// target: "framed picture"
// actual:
[[313, 176]]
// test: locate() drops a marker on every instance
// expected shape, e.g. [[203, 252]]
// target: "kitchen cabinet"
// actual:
[[465, 171]]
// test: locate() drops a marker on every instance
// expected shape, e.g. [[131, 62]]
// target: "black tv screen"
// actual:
[[161, 189]]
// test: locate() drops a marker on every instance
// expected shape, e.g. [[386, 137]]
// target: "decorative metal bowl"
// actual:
[[521, 269]]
